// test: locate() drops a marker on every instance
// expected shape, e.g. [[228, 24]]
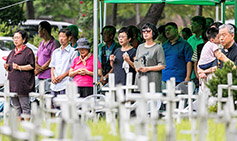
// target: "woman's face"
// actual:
[[63, 39], [147, 33], [123, 39], [83, 51], [17, 39]]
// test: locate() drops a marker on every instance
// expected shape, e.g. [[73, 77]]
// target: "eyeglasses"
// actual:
[[121, 37], [146, 30]]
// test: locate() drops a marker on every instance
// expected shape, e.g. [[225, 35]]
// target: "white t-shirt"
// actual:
[[207, 54]]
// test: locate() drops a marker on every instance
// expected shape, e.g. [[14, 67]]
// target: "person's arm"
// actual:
[[53, 76], [189, 71], [195, 69], [46, 65], [62, 76], [73, 73], [152, 68], [22, 67], [219, 55]]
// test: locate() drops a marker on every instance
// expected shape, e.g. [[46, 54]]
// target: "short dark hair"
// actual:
[[187, 31], [127, 30], [66, 31], [23, 33], [161, 30], [200, 20], [212, 32], [209, 18], [173, 24], [134, 30], [46, 25], [153, 28], [216, 24], [111, 28]]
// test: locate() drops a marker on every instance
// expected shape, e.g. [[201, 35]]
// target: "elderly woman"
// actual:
[[123, 58], [150, 57], [82, 68], [20, 65]]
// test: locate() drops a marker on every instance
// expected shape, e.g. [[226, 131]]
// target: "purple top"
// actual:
[[44, 54]]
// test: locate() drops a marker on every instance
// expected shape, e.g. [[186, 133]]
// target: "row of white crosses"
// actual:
[[69, 111]]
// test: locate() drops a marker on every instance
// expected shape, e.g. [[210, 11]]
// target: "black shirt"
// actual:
[[231, 53]]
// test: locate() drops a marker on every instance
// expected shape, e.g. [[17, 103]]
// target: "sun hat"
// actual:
[[83, 43], [74, 30]]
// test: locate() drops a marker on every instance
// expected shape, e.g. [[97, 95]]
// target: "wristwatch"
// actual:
[[104, 78]]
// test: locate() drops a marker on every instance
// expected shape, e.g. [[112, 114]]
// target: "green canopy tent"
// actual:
[[180, 2]]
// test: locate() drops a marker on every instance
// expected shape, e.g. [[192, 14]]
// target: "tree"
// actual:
[[153, 15], [30, 10], [12, 15]]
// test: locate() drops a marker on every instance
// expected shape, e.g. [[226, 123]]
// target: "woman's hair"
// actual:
[[23, 33], [66, 31], [127, 30], [153, 28]]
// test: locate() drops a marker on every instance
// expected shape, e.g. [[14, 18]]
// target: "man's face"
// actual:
[[226, 39], [195, 27], [107, 36], [171, 32]]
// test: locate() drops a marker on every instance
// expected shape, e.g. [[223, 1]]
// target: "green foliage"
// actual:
[[12, 15], [6, 30], [221, 78]]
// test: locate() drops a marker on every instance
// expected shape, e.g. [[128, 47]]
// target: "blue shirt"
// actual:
[[61, 61], [108, 51], [176, 57]]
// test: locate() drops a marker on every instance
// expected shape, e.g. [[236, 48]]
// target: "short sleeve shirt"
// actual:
[[119, 72], [62, 61], [154, 56], [84, 80], [21, 82], [207, 54], [193, 41], [44, 53], [176, 56]]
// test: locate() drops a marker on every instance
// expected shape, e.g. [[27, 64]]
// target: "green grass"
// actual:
[[216, 131]]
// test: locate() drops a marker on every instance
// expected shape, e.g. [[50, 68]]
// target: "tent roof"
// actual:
[[184, 2]]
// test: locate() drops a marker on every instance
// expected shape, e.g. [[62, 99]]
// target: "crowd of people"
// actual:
[[158, 53]]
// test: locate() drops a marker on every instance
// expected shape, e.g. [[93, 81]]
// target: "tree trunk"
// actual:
[[115, 14], [137, 14], [198, 10], [30, 10], [153, 15]]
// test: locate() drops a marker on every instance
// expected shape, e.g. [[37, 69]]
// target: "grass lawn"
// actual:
[[216, 131]]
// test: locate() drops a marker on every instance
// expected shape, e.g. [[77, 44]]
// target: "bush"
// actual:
[[220, 77]]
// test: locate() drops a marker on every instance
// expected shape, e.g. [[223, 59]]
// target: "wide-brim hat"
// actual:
[[83, 43]]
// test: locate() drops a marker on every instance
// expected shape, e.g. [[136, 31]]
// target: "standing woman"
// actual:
[[122, 59], [82, 68], [151, 57], [20, 65]]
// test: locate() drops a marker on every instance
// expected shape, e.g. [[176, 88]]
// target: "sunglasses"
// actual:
[[146, 30]]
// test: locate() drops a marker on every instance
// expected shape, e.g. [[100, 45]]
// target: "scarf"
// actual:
[[84, 60], [18, 51]]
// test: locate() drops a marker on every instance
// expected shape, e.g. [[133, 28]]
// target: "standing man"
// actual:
[[178, 54], [226, 36], [108, 33], [198, 26], [62, 59], [45, 50]]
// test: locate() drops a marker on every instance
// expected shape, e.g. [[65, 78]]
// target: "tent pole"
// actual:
[[101, 20], [105, 13], [217, 13], [95, 47], [223, 12], [235, 12]]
